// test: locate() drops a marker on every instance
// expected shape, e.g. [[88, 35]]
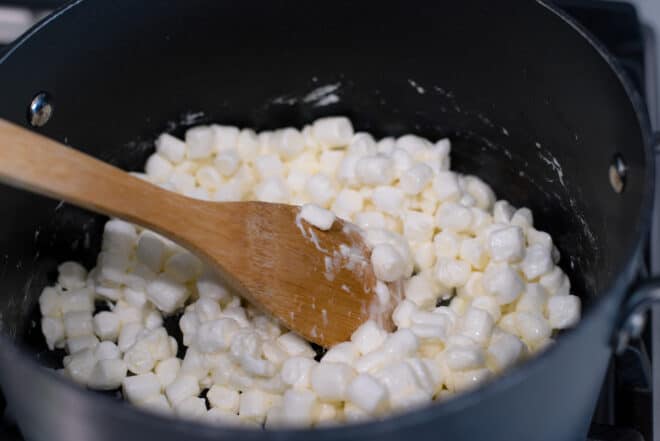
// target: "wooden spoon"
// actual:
[[264, 251]]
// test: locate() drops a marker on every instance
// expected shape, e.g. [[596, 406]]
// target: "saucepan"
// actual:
[[532, 104]]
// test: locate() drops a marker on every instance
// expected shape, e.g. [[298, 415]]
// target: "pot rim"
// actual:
[[130, 414]]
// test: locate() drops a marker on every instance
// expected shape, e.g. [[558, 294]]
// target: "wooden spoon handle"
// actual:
[[38, 164]]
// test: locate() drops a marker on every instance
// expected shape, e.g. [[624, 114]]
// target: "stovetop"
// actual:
[[625, 408]]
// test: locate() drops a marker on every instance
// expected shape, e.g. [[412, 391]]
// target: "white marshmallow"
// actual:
[[451, 272], [533, 299], [158, 168], [215, 335], [53, 330], [368, 337], [480, 191], [289, 143], [167, 294], [506, 244], [375, 169], [255, 403], [139, 388], [183, 267], [208, 178], [72, 275], [367, 393], [502, 212], [106, 325], [77, 324], [387, 263], [420, 290], [563, 311], [414, 180], [453, 217], [320, 189], [473, 252], [224, 137], [50, 302], [332, 132], [488, 304], [478, 325], [418, 226], [346, 352], [328, 162], [108, 374], [346, 170], [272, 189], [532, 328], [447, 244], [402, 385], [523, 218], [298, 407], [423, 255], [80, 365], [183, 387], [503, 351], [192, 408], [247, 145], [388, 199], [369, 219], [362, 144], [171, 148], [537, 261], [224, 398], [167, 371], [200, 142], [503, 283], [317, 216], [445, 185]]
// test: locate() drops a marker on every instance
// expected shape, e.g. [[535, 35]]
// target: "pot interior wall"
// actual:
[[530, 107]]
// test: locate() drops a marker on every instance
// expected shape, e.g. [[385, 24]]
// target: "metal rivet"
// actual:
[[40, 110], [617, 172]]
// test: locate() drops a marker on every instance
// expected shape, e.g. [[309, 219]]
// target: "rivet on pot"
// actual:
[[40, 110], [617, 172]]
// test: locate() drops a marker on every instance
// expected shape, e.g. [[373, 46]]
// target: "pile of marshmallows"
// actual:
[[443, 233]]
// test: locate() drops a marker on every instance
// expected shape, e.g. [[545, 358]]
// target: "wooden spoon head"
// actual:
[[319, 284]]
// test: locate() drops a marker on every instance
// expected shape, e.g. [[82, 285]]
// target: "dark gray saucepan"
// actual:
[[533, 105]]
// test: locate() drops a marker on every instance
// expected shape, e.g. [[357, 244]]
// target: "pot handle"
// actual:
[[633, 316]]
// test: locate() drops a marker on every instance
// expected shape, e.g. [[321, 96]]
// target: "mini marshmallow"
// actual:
[[199, 141], [445, 185], [221, 397], [183, 267], [532, 328], [158, 168], [453, 217], [473, 252], [423, 255], [171, 148], [317, 216], [346, 170], [77, 324], [506, 244], [418, 226], [166, 294], [247, 145], [402, 314], [50, 302], [416, 178], [503, 283], [255, 403], [128, 335], [53, 330], [72, 275], [298, 407], [289, 143], [563, 311], [209, 287], [108, 374], [106, 325], [367, 393], [402, 385], [387, 263], [368, 337], [388, 199], [80, 300], [466, 380], [362, 144], [375, 169], [502, 212], [533, 299], [347, 202], [480, 191], [537, 261], [269, 166], [488, 304], [127, 313], [320, 189], [191, 407], [447, 244], [208, 177], [478, 325], [329, 161], [555, 282], [332, 132], [215, 335], [523, 218], [420, 290], [346, 352], [452, 272], [80, 365], [167, 371], [503, 351], [224, 137], [139, 388], [412, 144], [183, 387], [272, 189]]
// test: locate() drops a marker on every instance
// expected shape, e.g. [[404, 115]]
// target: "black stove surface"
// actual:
[[624, 410]]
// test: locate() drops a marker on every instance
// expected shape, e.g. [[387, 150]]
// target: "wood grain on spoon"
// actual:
[[258, 248]]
